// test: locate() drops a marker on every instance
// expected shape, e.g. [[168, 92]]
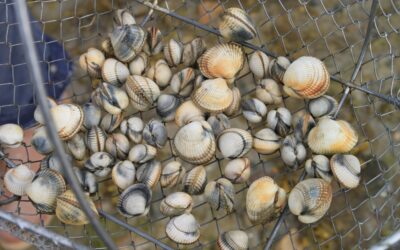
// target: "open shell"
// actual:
[[127, 41], [220, 194], [318, 167], [266, 141], [135, 201], [238, 170], [69, 209], [347, 169], [234, 143], [114, 72], [213, 96], [11, 135], [176, 204], [195, 181], [172, 174], [123, 174], [18, 178], [142, 91], [183, 229], [68, 119], [237, 26], [235, 239], [188, 112]]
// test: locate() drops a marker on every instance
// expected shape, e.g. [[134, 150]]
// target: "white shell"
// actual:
[[266, 141], [235, 104], [11, 135], [322, 106], [238, 170], [92, 61], [268, 91], [18, 178], [41, 142], [100, 163], [176, 204], [347, 169], [234, 143], [160, 73], [253, 110], [220, 194], [235, 239], [172, 174], [117, 145], [111, 98], [92, 115], [279, 120], [192, 51], [277, 68], [155, 133], [123, 174], [195, 181], [182, 82], [149, 173], [77, 147], [258, 64], [173, 52], [142, 91], [95, 139], [135, 201], [213, 96], [183, 229], [133, 128], [114, 72], [236, 25], [219, 123], [318, 167], [140, 153], [293, 152], [166, 106], [68, 119], [139, 64], [38, 112], [188, 112]]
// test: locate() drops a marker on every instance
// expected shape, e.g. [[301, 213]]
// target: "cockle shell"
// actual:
[[220, 194], [173, 52], [195, 142], [92, 61], [68, 119], [160, 73], [213, 96], [91, 115], [332, 137], [123, 17], [135, 200], [277, 68], [140, 153], [182, 82], [172, 174], [195, 181], [95, 139], [279, 120], [234, 143], [302, 123], [106, 47], [238, 170], [155, 133], [253, 110], [219, 123], [183, 229], [100, 163], [69, 209], [123, 174], [154, 43], [293, 152], [322, 106], [41, 142], [265, 200], [114, 72], [149, 173], [176, 204], [44, 189], [139, 64], [192, 51], [117, 145], [306, 77], [310, 200], [142, 91], [127, 41], [110, 122], [87, 180], [18, 178], [133, 128], [111, 98], [347, 169], [235, 239], [266, 141], [268, 92], [235, 104], [222, 61], [258, 64], [53, 162], [236, 25], [11, 135], [77, 147], [38, 112], [166, 106], [318, 167], [188, 112]]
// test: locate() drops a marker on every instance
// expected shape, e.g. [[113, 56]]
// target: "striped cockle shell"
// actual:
[[235, 104], [188, 112], [140, 153], [318, 167], [173, 52], [91, 115], [176, 204], [172, 174], [142, 91], [68, 119], [192, 51], [213, 96], [92, 61], [18, 178], [238, 170], [234, 143], [110, 122], [41, 142], [160, 73], [302, 123], [114, 72], [117, 145], [87, 180], [235, 239], [253, 110], [322, 106], [38, 112], [266, 141], [236, 25], [111, 98], [293, 152], [123, 174], [182, 82], [95, 139], [220, 194], [154, 43], [127, 41], [133, 128], [11, 135], [123, 17], [155, 133], [268, 92], [277, 68], [149, 173], [195, 181], [219, 123], [100, 163], [347, 169], [138, 64], [166, 106], [135, 200], [183, 229], [69, 209], [258, 64], [279, 120]]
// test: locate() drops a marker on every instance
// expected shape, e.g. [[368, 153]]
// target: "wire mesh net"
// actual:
[[333, 31]]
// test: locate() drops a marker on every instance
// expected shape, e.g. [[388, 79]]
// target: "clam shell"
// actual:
[[123, 17], [183, 229], [127, 41], [135, 201], [237, 26], [95, 139], [265, 200], [111, 98], [149, 173], [195, 181], [100, 163], [155, 133], [68, 119], [114, 72], [173, 52], [234, 143], [160, 73], [38, 112], [220, 194], [302, 123], [91, 115], [192, 51], [310, 200], [235, 104], [154, 43], [238, 170], [76, 146], [213, 96], [258, 64], [277, 68], [172, 174], [52, 161], [41, 142], [133, 128], [141, 153], [139, 64], [219, 123], [347, 169], [318, 167], [110, 122], [293, 152], [69, 209], [87, 180], [118, 145], [142, 91], [91, 62], [166, 106], [254, 110], [18, 178], [188, 112], [195, 142], [123, 174], [279, 120], [332, 137], [235, 239], [182, 82], [322, 106], [176, 204], [11, 135], [266, 141], [268, 92]]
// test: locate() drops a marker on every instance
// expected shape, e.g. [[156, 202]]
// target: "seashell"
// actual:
[[235, 239], [258, 64], [192, 51], [106, 47], [127, 41], [236, 25], [69, 209], [52, 161], [322, 106], [347, 169], [149, 173], [154, 43], [213, 96], [183, 229], [166, 107], [182, 82], [76, 146], [160, 73], [307, 77], [123, 17], [142, 91], [176, 204], [199, 79], [187, 112], [118, 145], [91, 115], [44, 189], [302, 123], [293, 152], [235, 104], [41, 142], [265, 200], [220, 194], [37, 114], [135, 201], [310, 199], [110, 122], [277, 68], [279, 120], [195, 142], [268, 92], [139, 64], [114, 72], [172, 174], [254, 110], [173, 52], [87, 180], [222, 61], [95, 139], [92, 61], [238, 170], [123, 174], [141, 153], [155, 133], [234, 142], [68, 119], [332, 137], [266, 141], [195, 181], [100, 163], [133, 128], [111, 98], [318, 167], [18, 178], [219, 123], [11, 135]]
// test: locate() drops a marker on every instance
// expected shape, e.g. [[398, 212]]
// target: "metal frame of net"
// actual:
[[357, 40]]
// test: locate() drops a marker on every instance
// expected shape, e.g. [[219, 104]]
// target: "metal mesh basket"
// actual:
[[357, 40]]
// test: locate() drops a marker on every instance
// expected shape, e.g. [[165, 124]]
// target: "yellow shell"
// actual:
[[213, 96], [69, 210]]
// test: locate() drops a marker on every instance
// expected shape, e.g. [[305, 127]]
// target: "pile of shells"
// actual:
[[193, 86]]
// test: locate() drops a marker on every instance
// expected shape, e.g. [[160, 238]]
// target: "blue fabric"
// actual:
[[17, 101]]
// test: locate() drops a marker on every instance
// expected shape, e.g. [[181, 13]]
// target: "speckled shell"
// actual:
[[38, 112], [176, 204], [293, 152], [234, 143], [236, 25], [347, 170], [160, 73], [76, 147], [277, 68], [18, 178], [69, 209], [235, 239], [258, 64], [111, 98], [173, 52], [149, 173], [127, 41], [192, 51], [133, 128], [195, 181], [110, 122], [68, 119], [154, 43], [135, 201], [166, 106], [41, 142], [318, 167], [331, 137], [92, 115], [139, 64], [123, 174], [182, 82], [238, 170], [140, 153], [11, 135], [188, 112], [322, 106], [266, 141], [95, 139], [172, 174], [114, 72], [142, 91], [92, 61], [117, 145], [235, 104], [213, 96], [268, 92], [302, 123], [155, 133], [183, 229], [279, 120], [220, 194], [219, 123], [253, 110]]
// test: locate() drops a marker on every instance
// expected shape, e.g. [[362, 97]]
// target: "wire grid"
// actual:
[[333, 31]]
